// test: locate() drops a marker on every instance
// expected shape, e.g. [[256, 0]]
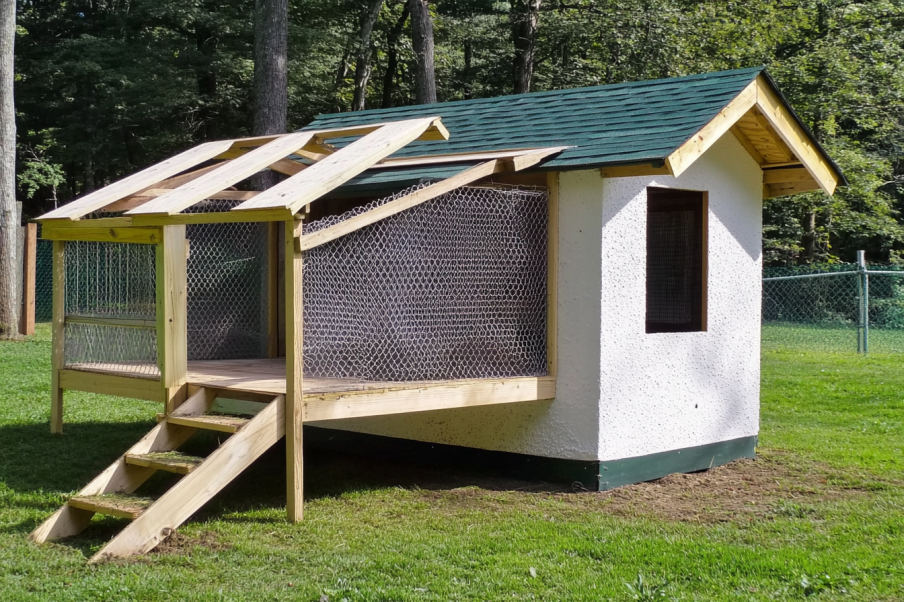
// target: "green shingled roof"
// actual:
[[614, 124]]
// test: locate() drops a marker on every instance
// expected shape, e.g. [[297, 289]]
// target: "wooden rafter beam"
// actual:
[[338, 168], [223, 177], [139, 181], [513, 161], [140, 197]]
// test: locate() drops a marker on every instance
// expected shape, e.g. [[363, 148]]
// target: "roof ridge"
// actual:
[[754, 71]]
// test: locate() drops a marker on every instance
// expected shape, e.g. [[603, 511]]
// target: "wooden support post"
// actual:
[[28, 280], [57, 329], [552, 284], [273, 289], [294, 375], [172, 323]]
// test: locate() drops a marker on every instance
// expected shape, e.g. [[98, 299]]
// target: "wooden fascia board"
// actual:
[[226, 175], [139, 181], [220, 217], [779, 176], [790, 131], [338, 168], [87, 231], [686, 154]]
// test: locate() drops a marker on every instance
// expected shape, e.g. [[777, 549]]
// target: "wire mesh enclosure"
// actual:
[[834, 308], [110, 280], [453, 288]]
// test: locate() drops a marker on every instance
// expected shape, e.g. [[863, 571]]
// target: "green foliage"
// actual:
[[107, 87], [643, 591]]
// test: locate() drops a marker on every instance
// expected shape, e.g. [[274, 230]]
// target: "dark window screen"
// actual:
[[675, 260]]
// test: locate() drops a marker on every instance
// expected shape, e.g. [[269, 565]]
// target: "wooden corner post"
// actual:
[[172, 320], [57, 330], [294, 375]]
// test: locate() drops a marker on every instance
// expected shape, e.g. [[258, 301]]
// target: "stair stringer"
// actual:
[[195, 489]]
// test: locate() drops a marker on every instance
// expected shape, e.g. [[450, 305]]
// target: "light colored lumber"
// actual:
[[119, 506], [315, 239], [147, 236], [217, 180], [782, 176], [406, 399], [631, 171], [273, 289], [139, 181], [172, 314], [142, 370], [223, 424], [220, 217], [29, 272], [343, 165], [110, 384], [288, 166], [119, 477], [516, 161], [391, 162], [787, 188], [225, 195], [795, 137], [169, 462], [57, 326], [294, 411], [552, 275], [176, 505], [118, 322], [685, 155], [141, 197], [752, 150]]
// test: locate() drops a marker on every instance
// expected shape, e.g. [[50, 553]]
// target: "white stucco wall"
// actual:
[[621, 392], [668, 391]]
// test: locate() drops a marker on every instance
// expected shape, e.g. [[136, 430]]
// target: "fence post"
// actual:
[[864, 302]]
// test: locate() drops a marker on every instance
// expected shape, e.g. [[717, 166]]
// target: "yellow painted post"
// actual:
[[294, 376], [58, 332], [172, 310]]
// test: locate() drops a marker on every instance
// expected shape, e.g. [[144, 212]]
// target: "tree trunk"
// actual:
[[808, 241], [341, 72], [271, 97], [525, 19], [466, 75], [206, 43], [422, 40], [392, 57], [365, 52], [9, 223]]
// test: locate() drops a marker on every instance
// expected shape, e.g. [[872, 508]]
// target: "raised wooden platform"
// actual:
[[334, 398]]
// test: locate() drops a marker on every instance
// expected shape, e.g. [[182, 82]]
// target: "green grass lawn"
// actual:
[[821, 512]]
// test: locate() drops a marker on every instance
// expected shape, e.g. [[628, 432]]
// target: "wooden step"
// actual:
[[168, 461], [210, 422], [117, 504]]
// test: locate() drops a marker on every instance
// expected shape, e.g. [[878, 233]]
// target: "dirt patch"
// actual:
[[740, 491], [178, 543]]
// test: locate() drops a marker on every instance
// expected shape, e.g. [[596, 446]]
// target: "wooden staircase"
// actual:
[[255, 423]]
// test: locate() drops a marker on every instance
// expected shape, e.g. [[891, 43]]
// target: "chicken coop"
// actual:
[[572, 276]]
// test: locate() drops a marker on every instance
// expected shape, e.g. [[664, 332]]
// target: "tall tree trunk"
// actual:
[[466, 75], [525, 20], [271, 97], [341, 72], [206, 40], [392, 56], [422, 40], [9, 223], [363, 64], [809, 238]]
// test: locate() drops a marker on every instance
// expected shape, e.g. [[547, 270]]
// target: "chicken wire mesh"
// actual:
[[452, 288], [110, 280], [834, 308]]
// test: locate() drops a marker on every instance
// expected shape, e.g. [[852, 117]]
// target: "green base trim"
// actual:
[[616, 473], [590, 474]]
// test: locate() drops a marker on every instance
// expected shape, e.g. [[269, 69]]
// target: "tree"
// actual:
[[9, 223], [422, 40], [271, 31], [365, 52], [525, 20]]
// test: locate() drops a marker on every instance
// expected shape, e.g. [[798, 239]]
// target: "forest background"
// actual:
[[106, 87]]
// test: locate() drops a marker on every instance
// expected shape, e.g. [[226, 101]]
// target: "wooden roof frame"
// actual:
[[157, 196]]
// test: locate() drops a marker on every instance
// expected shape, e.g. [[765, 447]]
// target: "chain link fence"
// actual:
[[842, 308]]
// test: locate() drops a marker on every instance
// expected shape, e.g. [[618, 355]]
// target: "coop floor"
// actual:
[[333, 398]]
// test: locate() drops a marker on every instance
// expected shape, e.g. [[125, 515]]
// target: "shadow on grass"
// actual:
[[41, 469]]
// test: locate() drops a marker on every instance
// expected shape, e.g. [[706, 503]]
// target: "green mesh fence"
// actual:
[[824, 308]]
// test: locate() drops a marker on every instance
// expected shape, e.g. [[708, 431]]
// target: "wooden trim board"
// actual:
[[109, 384], [85, 232]]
